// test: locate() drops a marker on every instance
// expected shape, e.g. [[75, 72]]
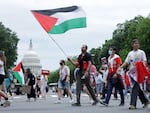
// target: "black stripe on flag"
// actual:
[[53, 11]]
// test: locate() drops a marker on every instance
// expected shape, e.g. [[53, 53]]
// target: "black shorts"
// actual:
[[2, 77]]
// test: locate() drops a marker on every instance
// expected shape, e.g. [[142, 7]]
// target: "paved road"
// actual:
[[19, 105]]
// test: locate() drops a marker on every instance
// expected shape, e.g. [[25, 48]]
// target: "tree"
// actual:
[[8, 44], [54, 76], [143, 33], [95, 52], [125, 33]]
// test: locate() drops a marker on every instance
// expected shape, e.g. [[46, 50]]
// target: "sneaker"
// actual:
[[103, 103], [91, 101], [58, 102], [76, 104], [6, 103], [121, 104], [95, 102], [83, 77], [132, 107], [71, 101], [102, 98], [146, 104]]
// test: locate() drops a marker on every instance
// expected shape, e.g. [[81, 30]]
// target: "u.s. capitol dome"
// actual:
[[31, 60]]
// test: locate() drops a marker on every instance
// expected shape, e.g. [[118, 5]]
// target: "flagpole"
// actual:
[[58, 45]]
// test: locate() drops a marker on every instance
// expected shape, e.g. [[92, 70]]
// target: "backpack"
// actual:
[[32, 82]]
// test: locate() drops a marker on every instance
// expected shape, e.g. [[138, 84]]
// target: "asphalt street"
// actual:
[[19, 105]]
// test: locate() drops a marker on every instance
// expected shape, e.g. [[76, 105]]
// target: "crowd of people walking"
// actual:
[[113, 77]]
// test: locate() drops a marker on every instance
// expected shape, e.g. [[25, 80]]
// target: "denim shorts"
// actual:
[[63, 85], [99, 87]]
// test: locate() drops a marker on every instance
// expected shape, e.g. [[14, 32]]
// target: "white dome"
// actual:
[[31, 60], [31, 53]]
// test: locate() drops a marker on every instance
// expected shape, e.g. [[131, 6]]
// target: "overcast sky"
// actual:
[[102, 18]]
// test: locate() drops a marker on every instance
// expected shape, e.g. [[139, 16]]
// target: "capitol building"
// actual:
[[31, 60]]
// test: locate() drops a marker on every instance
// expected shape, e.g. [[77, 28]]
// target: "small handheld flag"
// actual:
[[18, 72]]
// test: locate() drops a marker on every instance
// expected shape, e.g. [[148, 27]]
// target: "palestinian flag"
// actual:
[[18, 72], [60, 20]]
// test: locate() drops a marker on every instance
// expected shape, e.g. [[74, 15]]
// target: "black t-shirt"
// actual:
[[32, 79], [83, 61]]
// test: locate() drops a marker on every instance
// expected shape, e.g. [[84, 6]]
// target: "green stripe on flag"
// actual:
[[18, 77], [67, 25]]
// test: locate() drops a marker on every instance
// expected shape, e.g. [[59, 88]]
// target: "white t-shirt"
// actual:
[[135, 56], [105, 74], [63, 72], [2, 72], [132, 58]]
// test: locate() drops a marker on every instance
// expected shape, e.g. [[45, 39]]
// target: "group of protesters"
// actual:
[[113, 76]]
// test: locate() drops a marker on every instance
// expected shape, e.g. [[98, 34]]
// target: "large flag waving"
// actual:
[[18, 72], [60, 20]]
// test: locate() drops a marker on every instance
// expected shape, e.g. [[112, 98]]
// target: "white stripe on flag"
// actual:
[[69, 15]]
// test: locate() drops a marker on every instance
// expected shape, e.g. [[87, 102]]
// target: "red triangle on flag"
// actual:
[[46, 22], [18, 67]]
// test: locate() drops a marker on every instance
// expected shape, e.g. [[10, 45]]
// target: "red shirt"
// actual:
[[113, 63], [84, 61]]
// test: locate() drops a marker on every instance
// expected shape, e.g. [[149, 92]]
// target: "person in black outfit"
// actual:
[[83, 76], [31, 82]]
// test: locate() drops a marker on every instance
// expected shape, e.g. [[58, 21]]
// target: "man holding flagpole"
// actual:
[[83, 76]]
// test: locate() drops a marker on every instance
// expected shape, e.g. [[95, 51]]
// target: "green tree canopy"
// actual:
[[8, 44], [139, 28]]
